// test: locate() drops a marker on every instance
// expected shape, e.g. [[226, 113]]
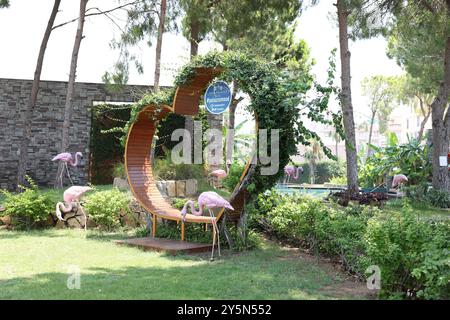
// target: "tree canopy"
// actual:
[[381, 92]]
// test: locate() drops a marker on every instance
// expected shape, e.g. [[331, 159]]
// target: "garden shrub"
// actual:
[[106, 207], [340, 180], [324, 228], [178, 203], [433, 272], [412, 253], [233, 177], [340, 234], [251, 240], [417, 192], [438, 198], [29, 208], [435, 197]]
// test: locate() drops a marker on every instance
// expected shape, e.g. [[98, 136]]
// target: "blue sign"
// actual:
[[217, 97]]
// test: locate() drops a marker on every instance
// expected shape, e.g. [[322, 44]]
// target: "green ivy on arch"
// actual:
[[278, 101]]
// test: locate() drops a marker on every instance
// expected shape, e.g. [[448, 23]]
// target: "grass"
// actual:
[[35, 265]]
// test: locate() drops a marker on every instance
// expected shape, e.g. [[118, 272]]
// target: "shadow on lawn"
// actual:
[[234, 278]]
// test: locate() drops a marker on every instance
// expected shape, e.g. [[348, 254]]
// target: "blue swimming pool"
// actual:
[[318, 192]]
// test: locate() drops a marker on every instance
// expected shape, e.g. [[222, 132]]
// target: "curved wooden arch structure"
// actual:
[[138, 154]]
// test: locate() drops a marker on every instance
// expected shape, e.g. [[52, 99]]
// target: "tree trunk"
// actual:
[[27, 115], [441, 127], [312, 171], [346, 100], [194, 38], [372, 119], [231, 125], [426, 116], [336, 140], [71, 83], [162, 21]]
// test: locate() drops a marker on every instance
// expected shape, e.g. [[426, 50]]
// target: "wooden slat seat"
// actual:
[[138, 154], [140, 175]]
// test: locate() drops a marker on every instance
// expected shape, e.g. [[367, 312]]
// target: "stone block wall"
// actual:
[[47, 122]]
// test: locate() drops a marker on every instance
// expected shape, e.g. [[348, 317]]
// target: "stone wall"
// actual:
[[47, 122]]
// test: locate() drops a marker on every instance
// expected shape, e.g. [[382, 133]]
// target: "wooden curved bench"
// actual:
[[138, 154]]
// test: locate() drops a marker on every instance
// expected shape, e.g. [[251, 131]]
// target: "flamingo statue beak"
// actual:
[[229, 207]]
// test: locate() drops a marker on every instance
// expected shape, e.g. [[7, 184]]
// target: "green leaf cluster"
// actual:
[[28, 208], [106, 207], [410, 159]]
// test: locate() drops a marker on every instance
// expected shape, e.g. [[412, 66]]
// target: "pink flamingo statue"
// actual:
[[292, 171], [219, 174], [208, 200], [398, 181], [72, 194], [67, 158]]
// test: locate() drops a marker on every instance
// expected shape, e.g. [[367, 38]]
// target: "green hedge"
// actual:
[[411, 252], [106, 207], [28, 209], [422, 193]]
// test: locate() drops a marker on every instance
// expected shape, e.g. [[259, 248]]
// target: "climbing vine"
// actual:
[[278, 101], [106, 150]]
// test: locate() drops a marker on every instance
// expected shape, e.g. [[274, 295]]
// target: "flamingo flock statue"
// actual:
[[292, 171], [72, 194], [208, 200], [67, 158]]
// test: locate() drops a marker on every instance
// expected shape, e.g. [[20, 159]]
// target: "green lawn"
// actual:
[[34, 265]]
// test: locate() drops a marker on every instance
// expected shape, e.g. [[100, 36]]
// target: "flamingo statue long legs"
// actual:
[[208, 200], [292, 171], [67, 158]]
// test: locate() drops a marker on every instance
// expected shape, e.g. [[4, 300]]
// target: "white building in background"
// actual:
[[404, 122]]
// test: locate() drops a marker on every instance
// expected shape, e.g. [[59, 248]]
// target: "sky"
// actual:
[[23, 24]]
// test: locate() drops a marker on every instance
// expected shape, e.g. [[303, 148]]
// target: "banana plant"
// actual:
[[410, 159]]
